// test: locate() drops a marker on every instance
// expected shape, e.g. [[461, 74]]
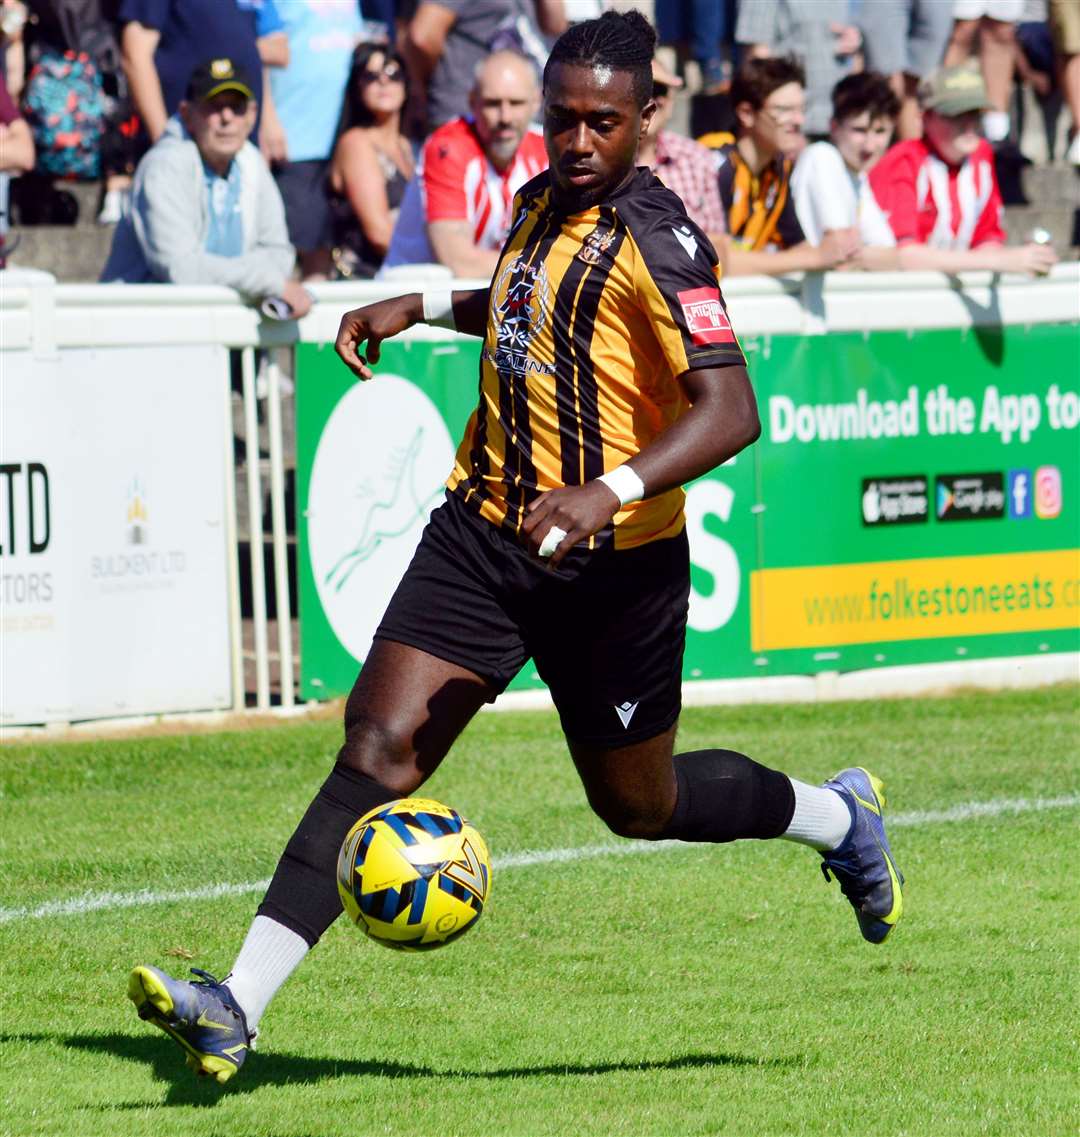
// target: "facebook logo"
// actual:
[[1019, 493]]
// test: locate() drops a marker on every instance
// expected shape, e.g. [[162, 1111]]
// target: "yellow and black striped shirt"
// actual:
[[760, 209], [592, 318]]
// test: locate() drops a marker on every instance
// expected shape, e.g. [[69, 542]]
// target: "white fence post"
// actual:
[[255, 537], [280, 536]]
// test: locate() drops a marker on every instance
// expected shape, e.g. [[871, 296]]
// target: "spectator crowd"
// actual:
[[265, 143]]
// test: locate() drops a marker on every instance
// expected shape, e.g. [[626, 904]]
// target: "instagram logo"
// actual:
[[1047, 492]]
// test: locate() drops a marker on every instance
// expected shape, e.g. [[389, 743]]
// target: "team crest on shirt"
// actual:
[[519, 307], [595, 245]]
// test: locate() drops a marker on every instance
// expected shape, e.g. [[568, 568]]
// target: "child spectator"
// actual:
[[300, 122], [456, 210], [830, 184], [683, 165], [372, 162], [205, 209], [764, 234], [940, 192]]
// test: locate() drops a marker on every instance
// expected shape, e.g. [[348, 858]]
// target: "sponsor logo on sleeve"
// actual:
[[970, 497], [705, 317], [895, 500]]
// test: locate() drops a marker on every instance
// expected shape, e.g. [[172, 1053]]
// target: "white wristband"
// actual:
[[624, 484], [439, 308]]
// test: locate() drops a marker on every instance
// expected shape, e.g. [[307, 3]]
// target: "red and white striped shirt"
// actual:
[[932, 203], [455, 181]]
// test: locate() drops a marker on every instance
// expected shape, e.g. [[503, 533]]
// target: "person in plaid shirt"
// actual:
[[686, 167]]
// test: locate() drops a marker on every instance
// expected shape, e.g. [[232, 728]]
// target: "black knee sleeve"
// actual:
[[724, 796], [303, 894]]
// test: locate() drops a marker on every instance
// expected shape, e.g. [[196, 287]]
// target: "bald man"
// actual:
[[456, 210]]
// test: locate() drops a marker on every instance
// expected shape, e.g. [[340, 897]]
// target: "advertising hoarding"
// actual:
[[914, 497], [112, 533]]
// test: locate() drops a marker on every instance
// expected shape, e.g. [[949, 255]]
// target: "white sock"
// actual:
[[271, 953], [995, 125], [821, 818]]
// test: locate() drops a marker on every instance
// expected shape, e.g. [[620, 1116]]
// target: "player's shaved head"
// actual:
[[504, 100]]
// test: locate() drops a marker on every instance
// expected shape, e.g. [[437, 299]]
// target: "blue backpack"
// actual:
[[64, 101]]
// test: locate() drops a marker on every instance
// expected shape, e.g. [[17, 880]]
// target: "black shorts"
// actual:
[[606, 629], [307, 209]]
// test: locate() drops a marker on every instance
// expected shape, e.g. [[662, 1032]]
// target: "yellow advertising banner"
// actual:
[[822, 606]]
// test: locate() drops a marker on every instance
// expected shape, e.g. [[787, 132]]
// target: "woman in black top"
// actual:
[[372, 161]]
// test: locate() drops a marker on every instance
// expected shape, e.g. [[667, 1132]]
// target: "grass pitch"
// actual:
[[681, 990]]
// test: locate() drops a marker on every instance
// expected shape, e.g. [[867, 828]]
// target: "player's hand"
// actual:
[[370, 325], [579, 511]]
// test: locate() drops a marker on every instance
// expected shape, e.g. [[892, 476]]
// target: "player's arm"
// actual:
[[722, 420], [463, 311]]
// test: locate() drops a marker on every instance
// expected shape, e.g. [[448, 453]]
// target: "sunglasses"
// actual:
[[660, 90], [392, 72]]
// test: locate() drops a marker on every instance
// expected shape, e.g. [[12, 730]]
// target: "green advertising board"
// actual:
[[914, 497], [920, 497]]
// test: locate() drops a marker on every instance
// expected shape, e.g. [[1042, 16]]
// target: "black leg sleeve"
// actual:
[[724, 796], [303, 894]]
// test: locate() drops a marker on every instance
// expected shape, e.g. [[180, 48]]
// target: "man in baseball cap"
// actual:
[[954, 91], [205, 208], [219, 112], [215, 76], [940, 192]]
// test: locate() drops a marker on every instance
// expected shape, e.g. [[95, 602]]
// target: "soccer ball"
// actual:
[[413, 874]]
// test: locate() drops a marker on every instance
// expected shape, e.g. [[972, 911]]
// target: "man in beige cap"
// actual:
[[940, 192]]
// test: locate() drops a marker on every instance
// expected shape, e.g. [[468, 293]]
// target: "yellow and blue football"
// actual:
[[413, 874]]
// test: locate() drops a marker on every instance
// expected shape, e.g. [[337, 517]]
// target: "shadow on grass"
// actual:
[[280, 1069]]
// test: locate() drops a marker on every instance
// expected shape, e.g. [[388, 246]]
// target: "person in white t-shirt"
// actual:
[[830, 187]]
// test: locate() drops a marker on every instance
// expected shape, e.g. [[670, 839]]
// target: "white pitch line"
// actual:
[[114, 901]]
